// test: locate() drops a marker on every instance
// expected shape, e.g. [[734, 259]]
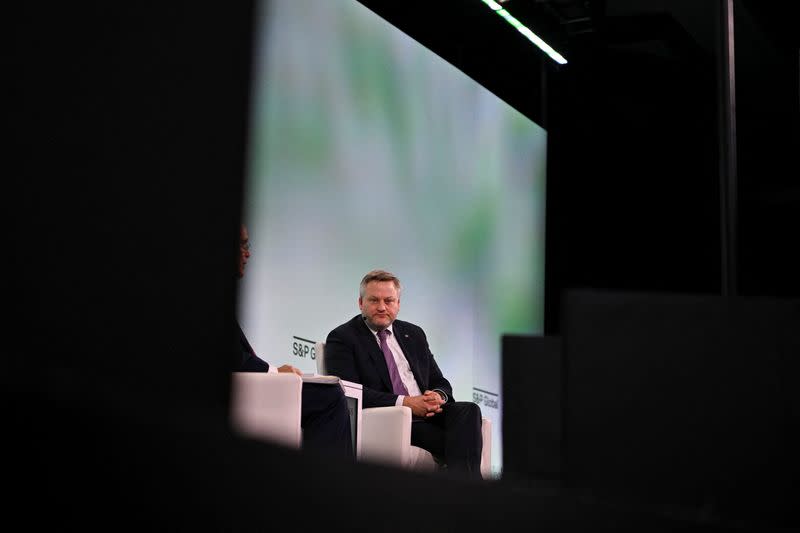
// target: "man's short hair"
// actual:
[[379, 275]]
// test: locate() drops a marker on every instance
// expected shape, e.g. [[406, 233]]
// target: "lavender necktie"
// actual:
[[397, 383]]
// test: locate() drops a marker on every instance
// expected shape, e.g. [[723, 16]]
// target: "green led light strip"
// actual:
[[532, 37]]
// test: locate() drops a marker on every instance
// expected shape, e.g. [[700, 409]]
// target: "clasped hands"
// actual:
[[426, 405]]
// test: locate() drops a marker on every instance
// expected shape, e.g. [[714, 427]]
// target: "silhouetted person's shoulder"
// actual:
[[244, 358]]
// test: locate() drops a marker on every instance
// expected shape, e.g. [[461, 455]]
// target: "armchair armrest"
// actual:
[[267, 406], [387, 435], [386, 438]]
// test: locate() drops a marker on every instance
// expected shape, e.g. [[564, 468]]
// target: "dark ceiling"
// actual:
[[487, 48], [655, 20]]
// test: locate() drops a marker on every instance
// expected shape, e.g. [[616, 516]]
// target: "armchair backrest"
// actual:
[[319, 351]]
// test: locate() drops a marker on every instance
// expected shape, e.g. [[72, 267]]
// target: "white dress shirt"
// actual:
[[403, 368]]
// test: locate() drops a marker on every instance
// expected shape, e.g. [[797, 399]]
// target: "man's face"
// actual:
[[244, 249], [380, 304]]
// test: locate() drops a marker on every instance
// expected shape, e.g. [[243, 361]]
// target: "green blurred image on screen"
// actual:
[[367, 150]]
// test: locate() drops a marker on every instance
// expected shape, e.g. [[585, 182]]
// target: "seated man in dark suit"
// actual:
[[324, 416], [392, 361]]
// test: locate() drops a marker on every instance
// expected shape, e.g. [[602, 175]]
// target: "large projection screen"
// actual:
[[367, 150]]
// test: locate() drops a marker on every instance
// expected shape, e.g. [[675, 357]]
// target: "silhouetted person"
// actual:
[[324, 417]]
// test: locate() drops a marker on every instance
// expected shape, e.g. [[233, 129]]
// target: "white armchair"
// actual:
[[267, 406], [386, 435]]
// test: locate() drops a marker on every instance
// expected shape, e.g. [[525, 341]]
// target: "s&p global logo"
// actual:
[[485, 398], [303, 348]]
